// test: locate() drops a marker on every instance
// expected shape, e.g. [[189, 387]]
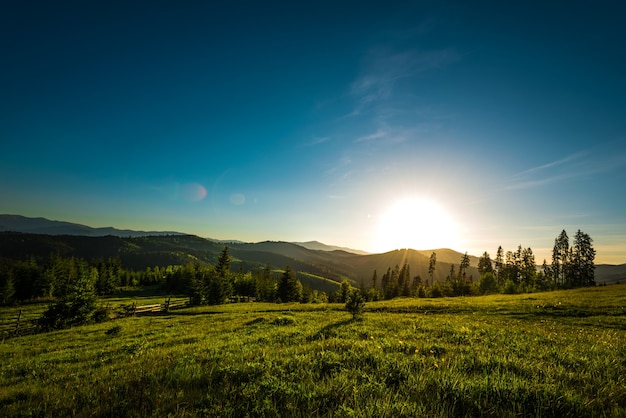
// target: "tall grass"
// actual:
[[553, 354]]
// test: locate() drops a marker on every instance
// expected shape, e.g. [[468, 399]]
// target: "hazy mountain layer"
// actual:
[[139, 250], [20, 223]]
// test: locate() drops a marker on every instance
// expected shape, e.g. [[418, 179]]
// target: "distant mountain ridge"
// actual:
[[21, 237], [316, 245], [40, 225], [18, 223]]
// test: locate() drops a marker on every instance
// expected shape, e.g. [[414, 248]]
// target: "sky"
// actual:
[[371, 125]]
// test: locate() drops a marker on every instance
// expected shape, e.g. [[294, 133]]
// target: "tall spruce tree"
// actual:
[[289, 287], [582, 260], [499, 263], [219, 282], [528, 270], [432, 264], [463, 266], [560, 258], [404, 281], [484, 264]]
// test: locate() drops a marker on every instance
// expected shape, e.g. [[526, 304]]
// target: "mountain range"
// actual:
[[18, 223], [22, 237]]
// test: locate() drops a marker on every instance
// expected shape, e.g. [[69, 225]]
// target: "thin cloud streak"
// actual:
[[317, 141], [379, 134], [530, 184], [527, 179], [556, 163], [383, 69]]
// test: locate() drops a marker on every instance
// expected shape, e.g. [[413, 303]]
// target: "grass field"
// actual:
[[545, 355]]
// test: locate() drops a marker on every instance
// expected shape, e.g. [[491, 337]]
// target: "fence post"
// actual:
[[167, 304], [17, 325]]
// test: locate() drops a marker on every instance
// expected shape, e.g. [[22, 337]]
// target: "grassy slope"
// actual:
[[552, 354]]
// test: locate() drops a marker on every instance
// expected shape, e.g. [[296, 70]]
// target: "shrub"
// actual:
[[488, 284], [283, 320], [114, 330], [102, 314], [75, 308], [355, 304], [510, 288]]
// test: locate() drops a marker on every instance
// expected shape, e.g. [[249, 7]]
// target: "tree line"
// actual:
[[513, 271], [54, 279]]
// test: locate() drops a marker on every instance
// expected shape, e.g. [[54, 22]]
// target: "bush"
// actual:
[[283, 320], [76, 308], [355, 304], [102, 314], [510, 288], [488, 284], [436, 290], [114, 330]]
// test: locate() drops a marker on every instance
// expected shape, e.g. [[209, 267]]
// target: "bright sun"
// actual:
[[416, 223]]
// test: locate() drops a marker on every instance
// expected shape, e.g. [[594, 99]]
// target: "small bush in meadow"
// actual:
[[113, 330], [355, 304], [283, 320]]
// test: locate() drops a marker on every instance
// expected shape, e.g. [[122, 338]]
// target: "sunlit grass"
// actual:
[[547, 354]]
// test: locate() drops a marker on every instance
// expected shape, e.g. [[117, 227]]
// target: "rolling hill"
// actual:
[[148, 251], [139, 250], [18, 223]]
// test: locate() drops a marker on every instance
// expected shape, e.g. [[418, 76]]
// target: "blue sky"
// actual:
[[372, 125]]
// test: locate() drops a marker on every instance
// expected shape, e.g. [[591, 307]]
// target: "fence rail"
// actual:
[[21, 325], [155, 308], [25, 324]]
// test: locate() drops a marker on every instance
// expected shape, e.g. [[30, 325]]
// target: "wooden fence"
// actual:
[[20, 325], [159, 307], [24, 324]]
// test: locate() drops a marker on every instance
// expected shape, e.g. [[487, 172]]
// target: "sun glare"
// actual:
[[416, 223]]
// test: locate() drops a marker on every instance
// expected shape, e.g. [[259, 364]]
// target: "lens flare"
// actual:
[[192, 192], [237, 199]]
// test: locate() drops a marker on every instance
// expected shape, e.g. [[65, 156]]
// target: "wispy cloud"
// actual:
[[529, 184], [378, 135], [317, 140], [568, 167], [389, 136], [383, 69], [551, 164]]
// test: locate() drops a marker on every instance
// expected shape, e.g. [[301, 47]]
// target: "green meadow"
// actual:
[[549, 354]]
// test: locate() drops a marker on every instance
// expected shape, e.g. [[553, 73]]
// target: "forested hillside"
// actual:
[[140, 253], [37, 265]]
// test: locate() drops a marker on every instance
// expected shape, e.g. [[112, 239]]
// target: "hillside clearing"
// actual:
[[546, 354]]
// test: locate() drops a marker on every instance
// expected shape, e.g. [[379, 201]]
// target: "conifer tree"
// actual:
[[223, 263], [560, 258], [484, 264], [289, 287], [77, 306], [431, 266], [344, 291], [404, 281], [499, 263], [528, 271], [355, 304], [582, 260], [465, 263]]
